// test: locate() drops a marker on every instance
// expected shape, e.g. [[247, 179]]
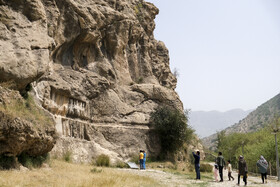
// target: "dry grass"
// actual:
[[26, 109], [62, 174]]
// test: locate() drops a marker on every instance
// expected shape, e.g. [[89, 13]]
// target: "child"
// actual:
[[216, 171], [229, 171]]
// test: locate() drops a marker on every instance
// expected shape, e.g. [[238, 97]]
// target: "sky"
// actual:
[[227, 52]]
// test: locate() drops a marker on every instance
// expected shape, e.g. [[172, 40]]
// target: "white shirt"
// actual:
[[229, 168]]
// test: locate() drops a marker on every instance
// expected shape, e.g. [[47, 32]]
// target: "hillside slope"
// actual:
[[257, 119]]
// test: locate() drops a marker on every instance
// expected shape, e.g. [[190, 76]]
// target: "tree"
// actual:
[[171, 126], [220, 139]]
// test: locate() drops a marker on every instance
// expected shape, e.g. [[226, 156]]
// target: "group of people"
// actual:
[[142, 159], [220, 164]]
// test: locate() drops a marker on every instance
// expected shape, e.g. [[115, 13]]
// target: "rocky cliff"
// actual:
[[94, 65]]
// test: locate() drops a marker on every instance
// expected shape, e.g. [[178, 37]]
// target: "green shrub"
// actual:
[[206, 167], [33, 161], [171, 126], [103, 160], [67, 156]]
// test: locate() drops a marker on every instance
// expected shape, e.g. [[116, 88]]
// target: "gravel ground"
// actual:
[[179, 180]]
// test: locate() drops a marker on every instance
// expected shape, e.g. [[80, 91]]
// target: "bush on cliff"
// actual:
[[171, 126]]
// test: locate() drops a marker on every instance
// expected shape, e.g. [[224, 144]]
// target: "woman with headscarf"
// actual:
[[242, 170], [263, 165]]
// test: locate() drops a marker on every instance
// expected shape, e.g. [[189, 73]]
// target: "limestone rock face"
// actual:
[[95, 66], [24, 43]]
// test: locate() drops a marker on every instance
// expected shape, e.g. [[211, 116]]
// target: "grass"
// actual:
[[67, 156], [103, 160], [63, 174], [26, 109]]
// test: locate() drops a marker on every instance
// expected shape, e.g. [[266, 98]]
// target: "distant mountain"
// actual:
[[207, 123], [256, 120]]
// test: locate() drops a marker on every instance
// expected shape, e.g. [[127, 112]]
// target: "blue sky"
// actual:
[[227, 52]]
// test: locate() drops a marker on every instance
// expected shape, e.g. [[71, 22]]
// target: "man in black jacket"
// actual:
[[221, 163], [196, 164]]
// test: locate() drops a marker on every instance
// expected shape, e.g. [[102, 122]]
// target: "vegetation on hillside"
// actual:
[[260, 118], [264, 114], [25, 108], [172, 128], [251, 145]]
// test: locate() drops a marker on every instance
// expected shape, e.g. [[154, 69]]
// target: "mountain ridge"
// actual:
[[257, 119], [207, 122]]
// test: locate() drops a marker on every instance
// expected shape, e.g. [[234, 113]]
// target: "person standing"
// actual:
[[242, 170], [196, 164], [263, 165], [216, 171], [144, 160], [221, 163], [141, 159], [229, 171]]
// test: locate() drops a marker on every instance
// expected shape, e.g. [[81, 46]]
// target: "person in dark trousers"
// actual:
[[196, 164], [263, 165], [221, 163], [242, 170], [141, 159], [229, 171]]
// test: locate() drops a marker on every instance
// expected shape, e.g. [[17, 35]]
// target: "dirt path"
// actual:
[[165, 178], [180, 180], [252, 181]]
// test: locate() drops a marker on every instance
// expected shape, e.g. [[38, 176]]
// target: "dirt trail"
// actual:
[[165, 178], [180, 180], [252, 181]]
